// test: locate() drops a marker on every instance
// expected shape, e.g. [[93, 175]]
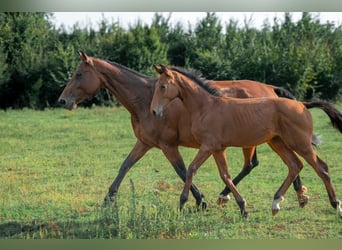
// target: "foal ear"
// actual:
[[85, 58]]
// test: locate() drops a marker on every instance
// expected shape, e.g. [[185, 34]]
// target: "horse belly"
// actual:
[[247, 135]]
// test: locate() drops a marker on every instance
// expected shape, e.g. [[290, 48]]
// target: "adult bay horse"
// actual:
[[135, 92], [219, 122]]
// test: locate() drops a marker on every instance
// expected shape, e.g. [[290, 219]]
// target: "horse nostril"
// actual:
[[154, 112], [62, 102]]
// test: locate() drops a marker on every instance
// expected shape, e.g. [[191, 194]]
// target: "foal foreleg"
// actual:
[[174, 157], [221, 162], [202, 155]]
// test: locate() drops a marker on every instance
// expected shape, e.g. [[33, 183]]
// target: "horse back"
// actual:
[[244, 89]]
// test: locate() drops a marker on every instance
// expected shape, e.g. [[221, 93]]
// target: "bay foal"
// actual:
[[219, 122]]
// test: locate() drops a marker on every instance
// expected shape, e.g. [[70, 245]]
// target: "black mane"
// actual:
[[197, 78]]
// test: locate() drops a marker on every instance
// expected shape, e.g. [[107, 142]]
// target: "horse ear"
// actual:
[[166, 70], [85, 58], [158, 69]]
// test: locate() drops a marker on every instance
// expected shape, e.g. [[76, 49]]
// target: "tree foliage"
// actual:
[[37, 59]]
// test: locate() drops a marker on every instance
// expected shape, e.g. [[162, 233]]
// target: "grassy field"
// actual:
[[56, 167]]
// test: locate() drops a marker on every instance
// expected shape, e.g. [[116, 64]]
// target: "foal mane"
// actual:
[[197, 78]]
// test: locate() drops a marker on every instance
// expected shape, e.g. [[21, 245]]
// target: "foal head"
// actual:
[[83, 84], [165, 90]]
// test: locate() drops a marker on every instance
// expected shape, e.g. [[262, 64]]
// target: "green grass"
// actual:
[[56, 167]]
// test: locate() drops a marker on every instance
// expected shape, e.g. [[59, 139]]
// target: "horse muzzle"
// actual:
[[67, 103], [158, 112]]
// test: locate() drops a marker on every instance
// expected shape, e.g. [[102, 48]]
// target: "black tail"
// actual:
[[334, 115], [281, 92]]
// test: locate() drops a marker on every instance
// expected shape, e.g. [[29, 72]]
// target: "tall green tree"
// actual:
[[25, 42]]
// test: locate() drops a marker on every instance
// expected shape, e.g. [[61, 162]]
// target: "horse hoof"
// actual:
[[275, 205], [204, 205], [302, 198], [275, 211], [223, 199], [303, 201], [108, 201], [244, 214]]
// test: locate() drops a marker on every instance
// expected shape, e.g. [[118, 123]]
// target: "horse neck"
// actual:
[[133, 90]]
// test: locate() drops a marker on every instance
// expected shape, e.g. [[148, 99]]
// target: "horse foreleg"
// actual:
[[174, 157], [199, 159], [136, 153], [221, 162], [251, 161]]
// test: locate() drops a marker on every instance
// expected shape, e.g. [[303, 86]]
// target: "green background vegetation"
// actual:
[[37, 59], [56, 167]]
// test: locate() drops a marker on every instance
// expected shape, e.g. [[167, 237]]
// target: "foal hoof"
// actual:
[[275, 205], [223, 199]]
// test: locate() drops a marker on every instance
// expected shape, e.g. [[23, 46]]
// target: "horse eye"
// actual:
[[78, 75], [163, 86]]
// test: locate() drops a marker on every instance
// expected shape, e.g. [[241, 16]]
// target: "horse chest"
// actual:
[[154, 134]]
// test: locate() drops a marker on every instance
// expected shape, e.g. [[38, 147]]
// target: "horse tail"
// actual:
[[334, 115], [281, 92]]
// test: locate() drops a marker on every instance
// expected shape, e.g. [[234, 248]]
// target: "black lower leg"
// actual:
[[244, 172], [181, 171], [297, 184]]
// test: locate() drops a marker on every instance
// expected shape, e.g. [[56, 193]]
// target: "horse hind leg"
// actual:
[[322, 170], [221, 162], [294, 166], [250, 162]]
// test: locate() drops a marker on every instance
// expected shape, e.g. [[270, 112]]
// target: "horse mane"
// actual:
[[128, 69], [197, 78]]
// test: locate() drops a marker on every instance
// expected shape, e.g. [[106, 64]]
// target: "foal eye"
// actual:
[[163, 86]]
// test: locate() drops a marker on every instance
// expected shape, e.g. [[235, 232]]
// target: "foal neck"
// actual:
[[194, 97]]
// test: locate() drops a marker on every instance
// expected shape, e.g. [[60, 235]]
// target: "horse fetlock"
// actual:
[[243, 204], [183, 199], [275, 205], [108, 200], [223, 199], [303, 199], [339, 208]]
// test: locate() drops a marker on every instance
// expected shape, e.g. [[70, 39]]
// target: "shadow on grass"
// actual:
[[81, 227]]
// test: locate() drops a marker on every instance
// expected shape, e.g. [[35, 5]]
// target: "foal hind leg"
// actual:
[[221, 162], [294, 166], [322, 170], [251, 161]]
